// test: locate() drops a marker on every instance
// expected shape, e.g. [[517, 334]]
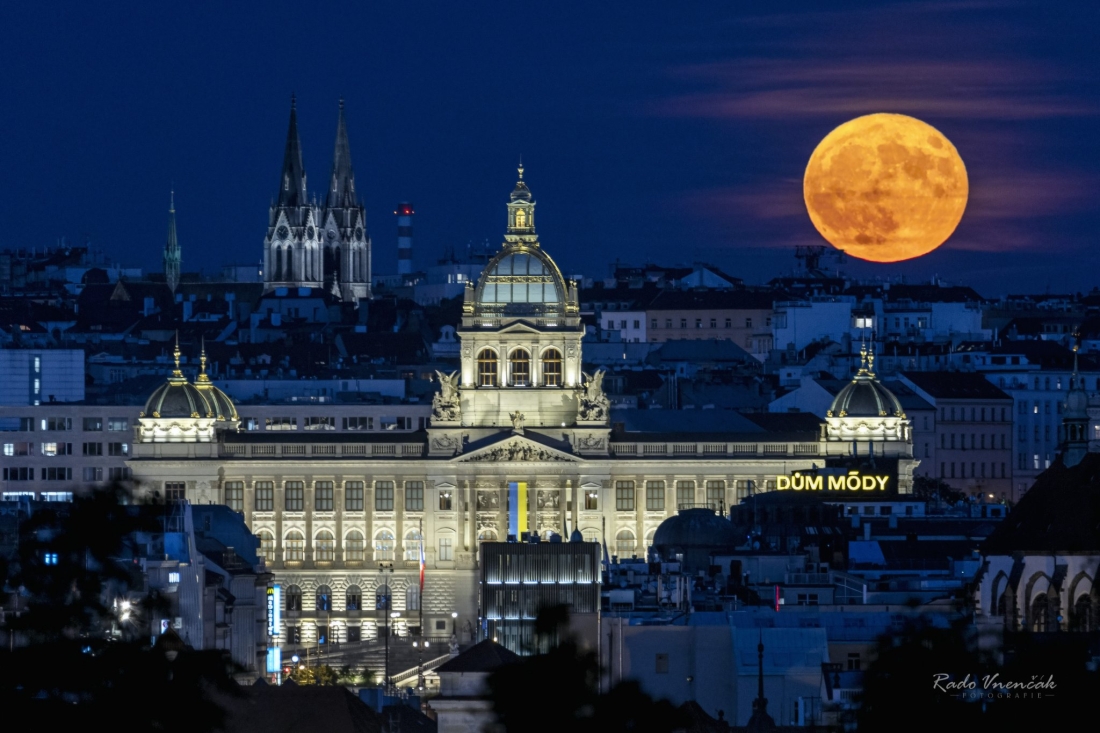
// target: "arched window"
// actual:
[[551, 368], [278, 258], [353, 599], [1040, 613], [353, 546], [289, 263], [591, 534], [624, 543], [294, 546], [412, 546], [383, 545], [487, 535], [293, 598], [519, 366], [324, 598], [383, 600], [487, 368], [412, 598], [267, 545], [324, 546]]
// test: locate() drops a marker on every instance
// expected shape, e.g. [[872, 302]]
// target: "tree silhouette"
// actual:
[[572, 676], [71, 659]]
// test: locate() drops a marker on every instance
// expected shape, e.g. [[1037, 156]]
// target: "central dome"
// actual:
[[177, 398], [519, 277], [865, 396]]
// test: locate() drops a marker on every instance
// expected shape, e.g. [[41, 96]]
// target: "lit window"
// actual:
[[551, 368], [486, 368], [520, 367]]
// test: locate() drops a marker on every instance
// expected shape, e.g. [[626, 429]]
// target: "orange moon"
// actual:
[[885, 188]]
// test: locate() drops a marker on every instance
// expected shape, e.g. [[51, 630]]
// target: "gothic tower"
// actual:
[[292, 247], [172, 248], [347, 244]]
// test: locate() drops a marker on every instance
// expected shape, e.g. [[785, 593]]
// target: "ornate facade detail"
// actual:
[[488, 501], [517, 450], [446, 405], [591, 442], [446, 442], [594, 403]]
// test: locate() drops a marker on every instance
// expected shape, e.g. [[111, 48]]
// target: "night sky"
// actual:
[[650, 131]]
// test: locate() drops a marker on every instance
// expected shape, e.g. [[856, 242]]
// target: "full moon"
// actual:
[[885, 188]]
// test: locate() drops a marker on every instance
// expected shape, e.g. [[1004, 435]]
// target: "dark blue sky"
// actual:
[[649, 131]]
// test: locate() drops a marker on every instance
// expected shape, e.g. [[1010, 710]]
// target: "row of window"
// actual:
[[519, 368], [324, 496], [977, 470], [976, 414], [353, 598], [66, 449], [21, 473], [625, 493], [977, 441], [653, 323], [355, 548], [90, 424]]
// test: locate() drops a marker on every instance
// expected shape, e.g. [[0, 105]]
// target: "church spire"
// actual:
[[292, 185], [341, 190], [172, 257]]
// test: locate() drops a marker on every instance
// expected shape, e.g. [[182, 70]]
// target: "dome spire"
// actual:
[[202, 363], [177, 373], [520, 167]]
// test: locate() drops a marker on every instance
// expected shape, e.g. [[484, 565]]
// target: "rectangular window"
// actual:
[[685, 494], [592, 500], [57, 423], [118, 424], [57, 449], [118, 450], [446, 549], [653, 323], [716, 494], [714, 323], [281, 423], [355, 633], [174, 491], [624, 496], [698, 322], [234, 495], [92, 474], [414, 496], [19, 474], [294, 499], [637, 324], [323, 496], [654, 496], [748, 323], [683, 323], [318, 423], [383, 496], [358, 423], [729, 323], [57, 474], [265, 496], [93, 424], [93, 449], [353, 496], [668, 323], [853, 661], [445, 500]]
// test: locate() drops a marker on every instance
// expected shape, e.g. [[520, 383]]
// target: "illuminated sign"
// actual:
[[274, 609], [853, 481], [274, 660]]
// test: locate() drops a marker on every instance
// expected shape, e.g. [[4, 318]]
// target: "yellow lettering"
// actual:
[[836, 483], [853, 482], [882, 482], [869, 483], [782, 483], [798, 482], [813, 483]]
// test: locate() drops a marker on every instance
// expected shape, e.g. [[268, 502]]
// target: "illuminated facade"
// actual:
[[341, 516]]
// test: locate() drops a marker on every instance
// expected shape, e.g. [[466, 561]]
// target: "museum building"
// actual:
[[345, 518]]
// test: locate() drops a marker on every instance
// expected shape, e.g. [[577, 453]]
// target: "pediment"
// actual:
[[519, 327], [517, 449]]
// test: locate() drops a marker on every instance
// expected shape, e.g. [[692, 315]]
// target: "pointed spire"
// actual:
[[172, 257], [202, 364], [177, 373], [341, 190], [292, 185], [521, 167]]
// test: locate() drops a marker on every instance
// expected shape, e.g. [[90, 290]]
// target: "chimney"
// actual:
[[404, 237]]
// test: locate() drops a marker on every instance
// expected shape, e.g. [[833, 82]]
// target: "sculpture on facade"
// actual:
[[445, 403], [594, 403], [517, 422]]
